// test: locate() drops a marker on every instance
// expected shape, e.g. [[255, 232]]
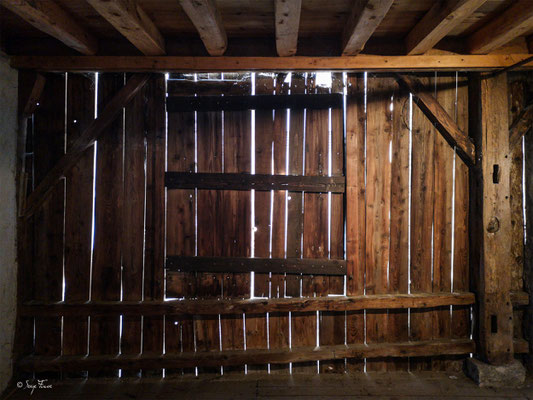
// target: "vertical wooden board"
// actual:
[[378, 203], [153, 327], [236, 224], [528, 251], [209, 213], [422, 195], [104, 334], [442, 215], [294, 200], [256, 324], [78, 212], [398, 327], [355, 209], [279, 322], [461, 267], [49, 135]]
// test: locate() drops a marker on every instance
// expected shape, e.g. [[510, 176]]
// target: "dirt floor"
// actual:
[[395, 385]]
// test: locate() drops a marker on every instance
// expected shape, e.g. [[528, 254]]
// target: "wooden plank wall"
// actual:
[[405, 211]]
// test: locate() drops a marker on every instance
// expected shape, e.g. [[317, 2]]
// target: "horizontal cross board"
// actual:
[[237, 181], [306, 266], [258, 102]]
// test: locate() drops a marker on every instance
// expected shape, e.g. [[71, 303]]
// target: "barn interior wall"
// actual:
[[8, 265]]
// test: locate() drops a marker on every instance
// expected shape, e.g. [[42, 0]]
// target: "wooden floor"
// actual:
[[373, 385]]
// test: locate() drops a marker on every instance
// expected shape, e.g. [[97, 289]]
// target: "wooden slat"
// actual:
[[520, 126], [442, 120], [490, 217], [236, 306], [260, 182], [378, 203], [422, 195], [287, 25], [513, 22], [84, 141], [206, 18], [310, 266], [241, 357], [78, 212], [226, 64], [49, 17], [107, 262], [365, 17], [438, 22], [131, 20], [355, 209], [257, 102], [153, 328], [33, 96]]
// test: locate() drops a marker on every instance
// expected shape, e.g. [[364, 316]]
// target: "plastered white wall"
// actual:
[[8, 266]]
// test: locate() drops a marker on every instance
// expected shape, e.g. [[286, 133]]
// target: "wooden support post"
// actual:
[[490, 217], [528, 251]]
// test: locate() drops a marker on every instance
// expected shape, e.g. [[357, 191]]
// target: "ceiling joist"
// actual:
[[48, 17], [206, 18], [439, 22], [287, 25], [365, 17], [513, 22], [131, 20]]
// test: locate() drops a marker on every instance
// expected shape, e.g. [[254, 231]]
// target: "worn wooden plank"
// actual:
[[491, 220], [399, 220], [461, 266], [422, 197], [443, 214], [520, 126], [240, 357], [287, 24], [257, 102], [49, 131], [378, 203], [438, 116], [78, 212], [355, 209], [106, 272], [528, 251], [153, 327], [259, 182], [294, 199]]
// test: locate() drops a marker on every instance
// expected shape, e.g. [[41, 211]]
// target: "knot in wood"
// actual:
[[494, 225]]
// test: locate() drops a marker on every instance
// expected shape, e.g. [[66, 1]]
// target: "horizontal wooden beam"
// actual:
[[132, 21], [84, 141], [241, 357], [236, 181], [521, 125], [230, 64], [442, 120], [438, 22], [226, 87], [50, 18], [239, 306], [306, 266], [257, 102], [515, 21]]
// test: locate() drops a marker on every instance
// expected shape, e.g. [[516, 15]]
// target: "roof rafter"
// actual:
[[287, 25], [206, 18], [439, 22], [365, 17], [513, 22], [131, 20], [48, 17]]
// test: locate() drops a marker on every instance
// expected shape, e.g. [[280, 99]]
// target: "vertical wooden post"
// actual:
[[528, 251], [490, 217]]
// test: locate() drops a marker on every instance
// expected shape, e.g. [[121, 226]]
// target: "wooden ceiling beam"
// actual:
[[206, 18], [132, 22], [287, 25], [512, 23], [365, 17], [439, 22], [50, 18], [233, 64]]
